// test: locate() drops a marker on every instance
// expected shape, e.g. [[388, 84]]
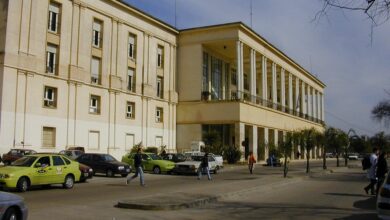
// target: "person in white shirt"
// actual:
[[372, 171]]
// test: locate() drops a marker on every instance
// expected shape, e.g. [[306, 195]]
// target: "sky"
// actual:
[[337, 49]]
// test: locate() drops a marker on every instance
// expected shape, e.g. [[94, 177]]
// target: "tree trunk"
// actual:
[[346, 159], [323, 159], [307, 163], [337, 157], [285, 167]]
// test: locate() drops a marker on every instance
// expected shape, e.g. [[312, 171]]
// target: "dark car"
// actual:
[[104, 163], [86, 172], [15, 154], [174, 157], [275, 162], [12, 207]]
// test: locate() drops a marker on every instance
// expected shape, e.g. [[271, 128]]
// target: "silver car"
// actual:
[[12, 207]]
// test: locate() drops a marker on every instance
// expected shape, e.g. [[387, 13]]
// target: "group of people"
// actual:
[[377, 171]]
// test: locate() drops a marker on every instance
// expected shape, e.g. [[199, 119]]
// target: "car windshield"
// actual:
[[197, 158], [155, 157], [24, 162], [108, 158]]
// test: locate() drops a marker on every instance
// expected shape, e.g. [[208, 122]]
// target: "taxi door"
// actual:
[[146, 162], [60, 169], [43, 171]]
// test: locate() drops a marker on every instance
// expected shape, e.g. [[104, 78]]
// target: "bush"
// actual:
[[232, 154], [134, 149], [151, 150]]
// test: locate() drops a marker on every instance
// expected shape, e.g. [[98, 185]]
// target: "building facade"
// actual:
[[97, 74], [233, 82]]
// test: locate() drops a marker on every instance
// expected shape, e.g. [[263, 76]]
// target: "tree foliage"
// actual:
[[381, 112]]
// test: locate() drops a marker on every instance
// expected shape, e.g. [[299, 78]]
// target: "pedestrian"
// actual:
[[381, 170], [138, 168], [251, 162], [371, 172], [204, 167]]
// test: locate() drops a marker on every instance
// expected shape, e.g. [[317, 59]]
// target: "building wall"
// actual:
[[22, 112]]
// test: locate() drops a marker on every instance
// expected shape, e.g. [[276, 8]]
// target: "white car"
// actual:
[[191, 166], [383, 200], [353, 156]]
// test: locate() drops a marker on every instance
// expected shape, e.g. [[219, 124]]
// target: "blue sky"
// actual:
[[337, 49]]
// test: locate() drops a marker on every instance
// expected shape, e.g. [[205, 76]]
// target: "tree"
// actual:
[[381, 140], [307, 141], [320, 142], [381, 112], [286, 147], [336, 139]]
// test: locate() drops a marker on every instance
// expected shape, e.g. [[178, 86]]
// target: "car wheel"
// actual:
[[216, 170], [109, 173], [69, 182], [23, 184], [156, 170], [11, 214], [124, 175]]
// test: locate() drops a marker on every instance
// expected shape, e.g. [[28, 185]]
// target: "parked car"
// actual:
[[151, 162], [174, 157], [192, 164], [76, 148], [86, 172], [329, 155], [275, 162], [383, 199], [104, 163], [353, 156], [12, 207], [72, 154], [15, 154], [218, 158], [40, 169]]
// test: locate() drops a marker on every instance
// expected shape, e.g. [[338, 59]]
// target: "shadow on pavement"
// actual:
[[363, 216], [347, 194], [367, 204]]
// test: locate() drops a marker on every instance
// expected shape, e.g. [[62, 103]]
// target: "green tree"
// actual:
[[319, 138], [381, 112], [286, 147], [381, 140], [307, 142]]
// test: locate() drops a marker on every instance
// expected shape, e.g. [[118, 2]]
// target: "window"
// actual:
[[48, 137], [95, 70], [205, 76], [97, 33], [50, 97], [44, 161], [131, 79], [94, 141], [160, 56], [130, 110], [246, 82], [57, 161], [94, 104], [160, 86], [234, 77], [131, 52], [54, 17], [51, 58], [159, 114]]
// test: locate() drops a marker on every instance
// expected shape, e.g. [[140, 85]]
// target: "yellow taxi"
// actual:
[[40, 169]]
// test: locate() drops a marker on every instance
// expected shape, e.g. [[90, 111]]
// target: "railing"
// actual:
[[236, 95]]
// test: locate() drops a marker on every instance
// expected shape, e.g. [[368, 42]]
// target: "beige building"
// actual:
[[232, 81], [102, 75], [93, 73]]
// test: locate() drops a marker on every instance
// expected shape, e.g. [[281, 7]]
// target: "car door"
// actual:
[[212, 163], [98, 163], [146, 162], [59, 168], [44, 172]]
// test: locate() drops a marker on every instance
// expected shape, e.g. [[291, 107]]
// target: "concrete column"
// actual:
[[303, 99], [290, 92], [253, 140], [309, 103], [253, 75], [74, 34], [266, 143], [283, 88], [114, 47], [314, 102], [274, 85], [297, 99], [276, 138], [240, 137], [322, 108], [240, 69], [264, 76], [146, 60]]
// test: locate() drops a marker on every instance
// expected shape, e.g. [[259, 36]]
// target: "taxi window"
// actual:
[[66, 160], [211, 158], [57, 161], [144, 157], [44, 161]]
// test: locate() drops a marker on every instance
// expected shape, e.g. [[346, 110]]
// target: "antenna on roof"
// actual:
[[251, 12]]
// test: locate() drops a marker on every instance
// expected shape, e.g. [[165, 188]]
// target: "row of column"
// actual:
[[308, 100]]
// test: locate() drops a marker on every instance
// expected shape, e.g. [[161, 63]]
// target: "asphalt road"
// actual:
[[330, 196]]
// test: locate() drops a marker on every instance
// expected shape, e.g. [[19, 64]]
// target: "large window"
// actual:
[[130, 110], [51, 59], [48, 137], [159, 114], [95, 70], [205, 80], [216, 78], [234, 77], [132, 46], [94, 104], [97, 33], [246, 82], [160, 86], [131, 79], [54, 17], [160, 56], [50, 97]]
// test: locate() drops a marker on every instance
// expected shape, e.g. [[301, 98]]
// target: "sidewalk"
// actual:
[[204, 191]]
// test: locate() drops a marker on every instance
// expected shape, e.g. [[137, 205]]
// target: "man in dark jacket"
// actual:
[[204, 167], [138, 168], [381, 170]]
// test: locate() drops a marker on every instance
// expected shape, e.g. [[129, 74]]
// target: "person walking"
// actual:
[[138, 168], [371, 172], [251, 162], [381, 170], [204, 167]]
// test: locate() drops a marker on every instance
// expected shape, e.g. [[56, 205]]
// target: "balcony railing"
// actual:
[[236, 95]]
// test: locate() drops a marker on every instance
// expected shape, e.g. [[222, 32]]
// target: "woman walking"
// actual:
[[251, 162]]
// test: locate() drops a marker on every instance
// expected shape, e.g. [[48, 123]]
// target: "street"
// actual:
[[337, 195]]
